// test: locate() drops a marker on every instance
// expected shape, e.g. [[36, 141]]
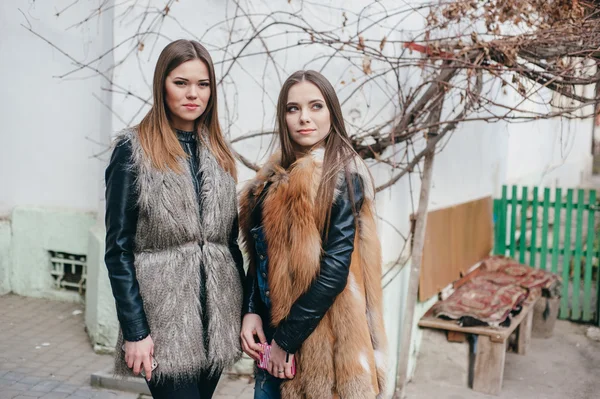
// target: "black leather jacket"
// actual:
[[311, 307], [121, 223]]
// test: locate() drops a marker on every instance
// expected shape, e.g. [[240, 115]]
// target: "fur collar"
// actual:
[[179, 234], [335, 359]]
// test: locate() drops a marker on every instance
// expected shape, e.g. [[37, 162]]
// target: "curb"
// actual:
[[107, 380]]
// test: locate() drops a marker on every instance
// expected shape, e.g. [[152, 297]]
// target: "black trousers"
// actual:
[[203, 388]]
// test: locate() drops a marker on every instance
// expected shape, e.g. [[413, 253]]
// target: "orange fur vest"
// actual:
[[345, 356]]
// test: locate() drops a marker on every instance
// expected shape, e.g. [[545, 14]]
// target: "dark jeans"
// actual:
[[201, 389], [266, 386]]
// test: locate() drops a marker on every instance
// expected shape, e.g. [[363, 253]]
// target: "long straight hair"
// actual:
[[157, 136], [338, 148]]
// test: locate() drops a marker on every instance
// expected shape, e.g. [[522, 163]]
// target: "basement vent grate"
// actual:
[[69, 271]]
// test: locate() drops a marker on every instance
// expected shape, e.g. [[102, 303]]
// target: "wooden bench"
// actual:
[[490, 343]]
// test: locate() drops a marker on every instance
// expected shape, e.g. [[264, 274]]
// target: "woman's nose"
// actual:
[[304, 117], [192, 92]]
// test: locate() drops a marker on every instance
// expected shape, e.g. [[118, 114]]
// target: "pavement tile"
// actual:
[[46, 353]]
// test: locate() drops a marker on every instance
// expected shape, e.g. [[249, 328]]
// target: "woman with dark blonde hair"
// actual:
[[313, 289], [171, 234]]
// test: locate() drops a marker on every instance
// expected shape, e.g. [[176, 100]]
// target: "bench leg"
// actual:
[[524, 333], [454, 336], [489, 366]]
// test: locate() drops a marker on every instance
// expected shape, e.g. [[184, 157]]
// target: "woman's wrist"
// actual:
[[137, 338]]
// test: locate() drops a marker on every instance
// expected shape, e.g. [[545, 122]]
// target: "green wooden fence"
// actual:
[[556, 233]]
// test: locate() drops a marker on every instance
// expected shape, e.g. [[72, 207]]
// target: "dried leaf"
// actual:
[[382, 44], [521, 89], [141, 46], [367, 65], [361, 43], [474, 37]]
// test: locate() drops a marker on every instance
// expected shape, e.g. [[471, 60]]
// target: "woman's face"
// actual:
[[307, 115], [187, 91]]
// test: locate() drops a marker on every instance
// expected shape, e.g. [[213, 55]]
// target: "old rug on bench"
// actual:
[[494, 293]]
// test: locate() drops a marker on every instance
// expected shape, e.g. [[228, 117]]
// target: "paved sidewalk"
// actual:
[[45, 353]]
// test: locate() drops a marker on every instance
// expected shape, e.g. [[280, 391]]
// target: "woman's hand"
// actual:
[[252, 327], [278, 366], [139, 354]]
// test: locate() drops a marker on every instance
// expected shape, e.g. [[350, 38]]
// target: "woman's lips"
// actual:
[[306, 131], [191, 107]]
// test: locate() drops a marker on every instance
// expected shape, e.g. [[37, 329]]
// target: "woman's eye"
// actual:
[[204, 84], [317, 106], [292, 109], [180, 83]]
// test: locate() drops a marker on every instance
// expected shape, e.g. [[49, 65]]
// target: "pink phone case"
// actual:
[[266, 354]]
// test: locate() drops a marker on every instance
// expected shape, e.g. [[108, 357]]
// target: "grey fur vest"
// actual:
[[177, 235]]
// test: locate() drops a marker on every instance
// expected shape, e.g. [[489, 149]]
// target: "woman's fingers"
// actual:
[[252, 342], [147, 363], [261, 335], [137, 365], [248, 345], [271, 368], [137, 353], [288, 368], [278, 370]]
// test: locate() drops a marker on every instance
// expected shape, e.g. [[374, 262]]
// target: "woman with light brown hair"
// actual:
[[171, 234], [313, 288]]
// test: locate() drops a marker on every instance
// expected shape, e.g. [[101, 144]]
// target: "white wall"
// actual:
[[45, 157], [554, 152], [47, 140], [550, 153]]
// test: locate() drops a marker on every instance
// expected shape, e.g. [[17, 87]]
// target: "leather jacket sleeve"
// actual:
[[311, 307], [121, 223], [252, 301], [234, 248]]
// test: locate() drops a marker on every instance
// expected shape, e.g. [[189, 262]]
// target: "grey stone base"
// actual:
[[107, 380]]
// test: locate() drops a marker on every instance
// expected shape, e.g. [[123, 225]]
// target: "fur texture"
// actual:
[[177, 234], [335, 360]]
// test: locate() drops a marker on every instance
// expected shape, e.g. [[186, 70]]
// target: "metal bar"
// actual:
[[562, 251], [523, 237], [556, 230], [71, 261], [576, 311], [496, 221], [564, 304], [586, 207], [587, 280], [544, 248], [598, 286], [504, 215], [513, 221], [534, 228]]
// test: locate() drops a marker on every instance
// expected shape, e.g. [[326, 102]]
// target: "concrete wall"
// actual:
[[35, 231], [48, 124], [100, 313], [5, 258]]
